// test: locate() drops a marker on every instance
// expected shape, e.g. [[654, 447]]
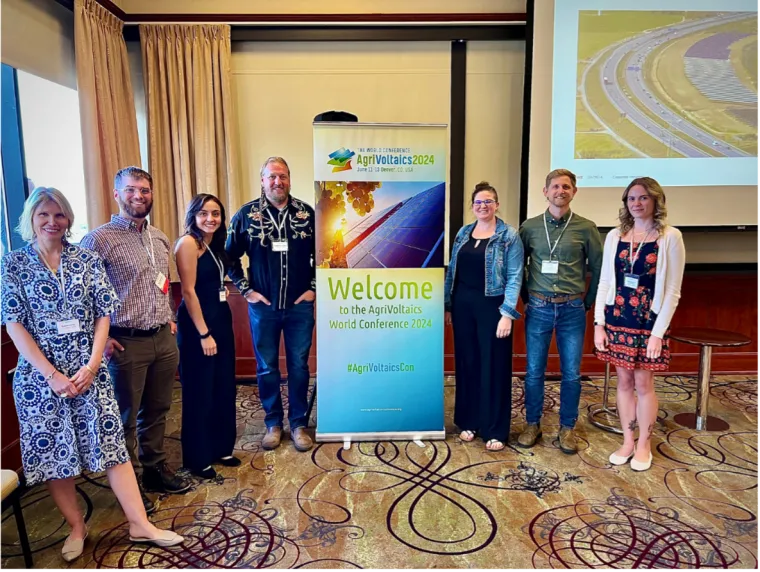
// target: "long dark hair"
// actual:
[[220, 235]]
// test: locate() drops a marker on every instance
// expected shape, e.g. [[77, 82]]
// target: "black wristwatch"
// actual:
[[206, 335]]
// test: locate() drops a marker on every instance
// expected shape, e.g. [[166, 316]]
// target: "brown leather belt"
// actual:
[[558, 299]]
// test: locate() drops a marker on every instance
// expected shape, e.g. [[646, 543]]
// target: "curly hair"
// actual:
[[484, 186], [655, 191]]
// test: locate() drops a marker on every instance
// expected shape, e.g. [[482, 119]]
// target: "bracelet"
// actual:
[[93, 372], [50, 375], [206, 335]]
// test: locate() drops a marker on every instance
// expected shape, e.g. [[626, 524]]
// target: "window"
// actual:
[[52, 142], [12, 189]]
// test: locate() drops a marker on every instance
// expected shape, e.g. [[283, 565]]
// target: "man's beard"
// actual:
[[135, 214], [280, 194]]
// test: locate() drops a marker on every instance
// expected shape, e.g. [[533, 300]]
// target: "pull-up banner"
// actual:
[[380, 203]]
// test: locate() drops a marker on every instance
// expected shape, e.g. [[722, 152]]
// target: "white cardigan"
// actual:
[[667, 291]]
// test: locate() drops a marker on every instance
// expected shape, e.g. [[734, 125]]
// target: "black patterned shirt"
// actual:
[[280, 276]]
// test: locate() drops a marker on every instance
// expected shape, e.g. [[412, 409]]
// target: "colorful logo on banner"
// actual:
[[341, 160]]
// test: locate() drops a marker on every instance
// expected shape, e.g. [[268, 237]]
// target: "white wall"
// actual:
[[278, 88], [38, 37]]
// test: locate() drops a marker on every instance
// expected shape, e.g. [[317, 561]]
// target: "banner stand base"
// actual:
[[348, 438]]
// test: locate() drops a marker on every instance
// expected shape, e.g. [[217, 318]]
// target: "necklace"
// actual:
[[477, 243]]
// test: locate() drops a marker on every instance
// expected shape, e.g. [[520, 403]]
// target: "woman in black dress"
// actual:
[[206, 341], [638, 293], [482, 287]]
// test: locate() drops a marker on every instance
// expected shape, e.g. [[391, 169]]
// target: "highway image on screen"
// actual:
[[666, 84]]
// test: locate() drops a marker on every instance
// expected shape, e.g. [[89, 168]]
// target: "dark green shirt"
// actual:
[[579, 250]]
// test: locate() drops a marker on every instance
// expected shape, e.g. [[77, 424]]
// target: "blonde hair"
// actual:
[[560, 173], [655, 191], [38, 196]]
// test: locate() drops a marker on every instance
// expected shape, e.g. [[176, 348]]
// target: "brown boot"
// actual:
[[301, 439], [529, 436], [272, 439], [567, 442]]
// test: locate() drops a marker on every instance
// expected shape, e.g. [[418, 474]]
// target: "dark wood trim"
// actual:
[[107, 4], [458, 105], [527, 94], [727, 267], [694, 229], [361, 33]]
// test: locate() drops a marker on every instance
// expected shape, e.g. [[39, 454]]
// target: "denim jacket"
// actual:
[[504, 266]]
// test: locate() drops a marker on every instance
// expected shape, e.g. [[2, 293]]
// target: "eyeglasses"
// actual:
[[144, 191], [486, 202]]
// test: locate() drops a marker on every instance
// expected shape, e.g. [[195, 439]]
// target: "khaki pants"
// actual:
[[143, 377]]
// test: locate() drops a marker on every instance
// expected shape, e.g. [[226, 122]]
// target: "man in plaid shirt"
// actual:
[[142, 349]]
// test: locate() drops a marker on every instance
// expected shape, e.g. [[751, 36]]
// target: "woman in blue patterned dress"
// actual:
[[56, 301]]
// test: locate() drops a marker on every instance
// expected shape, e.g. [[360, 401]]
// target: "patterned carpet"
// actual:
[[448, 504]]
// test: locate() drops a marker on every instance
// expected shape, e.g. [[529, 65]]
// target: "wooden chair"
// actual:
[[11, 488]]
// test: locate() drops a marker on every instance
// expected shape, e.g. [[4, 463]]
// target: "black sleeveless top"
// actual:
[[207, 286]]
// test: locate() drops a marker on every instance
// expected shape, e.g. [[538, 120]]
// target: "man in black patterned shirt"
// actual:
[[142, 350], [276, 231]]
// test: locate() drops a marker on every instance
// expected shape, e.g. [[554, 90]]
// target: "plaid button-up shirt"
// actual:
[[133, 260]]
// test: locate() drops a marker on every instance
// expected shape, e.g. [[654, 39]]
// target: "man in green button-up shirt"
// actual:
[[560, 246]]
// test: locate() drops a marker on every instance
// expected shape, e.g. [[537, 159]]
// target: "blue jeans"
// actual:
[[297, 324], [542, 319]]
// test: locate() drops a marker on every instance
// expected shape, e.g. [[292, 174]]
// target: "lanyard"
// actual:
[[556, 242], [631, 258], [62, 281], [280, 226], [151, 252], [218, 263]]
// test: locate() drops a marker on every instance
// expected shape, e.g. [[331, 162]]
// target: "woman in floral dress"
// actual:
[[56, 301], [638, 293]]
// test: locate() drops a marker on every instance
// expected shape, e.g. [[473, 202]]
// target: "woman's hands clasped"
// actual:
[[62, 385], [83, 379]]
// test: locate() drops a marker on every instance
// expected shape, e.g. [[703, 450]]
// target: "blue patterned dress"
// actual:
[[61, 437]]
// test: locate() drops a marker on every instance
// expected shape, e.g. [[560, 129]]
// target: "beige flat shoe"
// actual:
[[171, 539], [72, 549]]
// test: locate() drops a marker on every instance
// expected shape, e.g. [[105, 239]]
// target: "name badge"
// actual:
[[550, 267], [69, 326], [162, 282], [631, 281], [223, 295], [279, 245]]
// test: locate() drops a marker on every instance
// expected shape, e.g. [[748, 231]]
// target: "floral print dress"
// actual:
[[60, 436], [630, 319]]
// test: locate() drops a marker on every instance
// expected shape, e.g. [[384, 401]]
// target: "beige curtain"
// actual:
[[191, 143], [106, 105]]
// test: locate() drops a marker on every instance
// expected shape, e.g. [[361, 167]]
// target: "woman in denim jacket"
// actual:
[[482, 286]]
